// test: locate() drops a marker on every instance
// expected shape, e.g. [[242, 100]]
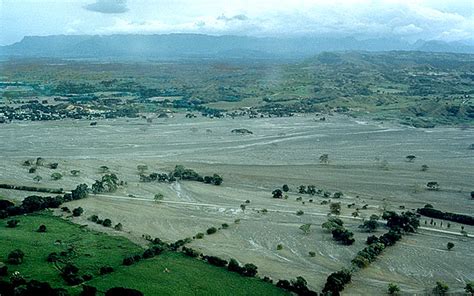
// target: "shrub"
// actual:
[[66, 209], [52, 257], [149, 253], [312, 254], [440, 288], [13, 223], [3, 270], [216, 261], [77, 212], [128, 261], [16, 257], [299, 213], [285, 188], [56, 176], [119, 291], [225, 225], [105, 270], [279, 247], [450, 245], [393, 289], [42, 228], [191, 252], [118, 227], [200, 235], [211, 230], [94, 218], [234, 266]]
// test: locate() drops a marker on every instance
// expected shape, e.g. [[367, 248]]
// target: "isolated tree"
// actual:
[[393, 289], [285, 188], [440, 289], [305, 228], [158, 197], [75, 173], [32, 170], [42, 228], [38, 179], [77, 212], [142, 168], [118, 227], [411, 158], [242, 207], [56, 176], [16, 257], [324, 159], [424, 168], [277, 193], [104, 169], [432, 185], [449, 245], [335, 208], [211, 230], [107, 223]]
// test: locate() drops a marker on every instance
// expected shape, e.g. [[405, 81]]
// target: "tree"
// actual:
[[37, 179], [440, 289], [332, 223], [324, 159], [217, 180], [432, 185], [42, 228], [336, 281], [107, 223], [302, 189], [142, 168], [335, 208], [305, 228], [393, 289], [370, 225], [411, 158], [211, 230], [12, 223], [158, 197], [469, 288], [77, 212], [450, 245], [285, 188], [104, 169], [424, 168], [16, 257], [277, 193], [118, 227], [56, 176], [75, 173], [249, 270]]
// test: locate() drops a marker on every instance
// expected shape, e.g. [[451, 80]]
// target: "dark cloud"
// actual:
[[108, 6], [238, 17]]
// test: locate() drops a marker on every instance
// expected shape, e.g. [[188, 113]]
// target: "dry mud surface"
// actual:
[[367, 163]]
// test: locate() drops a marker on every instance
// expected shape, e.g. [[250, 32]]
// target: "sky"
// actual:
[[410, 20]]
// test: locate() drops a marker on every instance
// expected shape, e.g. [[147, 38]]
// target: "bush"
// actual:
[[128, 261], [16, 257], [225, 226], [65, 209], [393, 289], [52, 257], [77, 212], [299, 213], [234, 266], [249, 270], [118, 227], [191, 252], [200, 235], [42, 228], [149, 253], [440, 288], [450, 245], [211, 230], [105, 270], [118, 291], [312, 254], [336, 281], [12, 223], [56, 176], [94, 218], [279, 247], [216, 261]]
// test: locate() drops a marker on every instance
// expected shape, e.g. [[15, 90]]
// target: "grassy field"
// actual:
[[93, 249], [186, 276]]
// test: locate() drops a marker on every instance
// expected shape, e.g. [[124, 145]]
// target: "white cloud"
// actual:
[[108, 6]]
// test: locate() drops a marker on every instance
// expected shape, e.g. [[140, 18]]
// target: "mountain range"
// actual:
[[188, 46]]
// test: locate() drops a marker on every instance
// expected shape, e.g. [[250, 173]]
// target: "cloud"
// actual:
[[238, 17], [108, 6]]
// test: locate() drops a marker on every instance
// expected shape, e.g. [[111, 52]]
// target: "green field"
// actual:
[[91, 250]]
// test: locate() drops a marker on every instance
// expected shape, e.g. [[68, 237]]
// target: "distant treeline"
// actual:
[[32, 188], [433, 213]]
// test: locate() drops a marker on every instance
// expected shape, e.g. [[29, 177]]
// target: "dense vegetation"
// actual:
[[419, 89], [433, 213]]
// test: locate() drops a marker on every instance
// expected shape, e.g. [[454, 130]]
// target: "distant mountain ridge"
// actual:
[[177, 46]]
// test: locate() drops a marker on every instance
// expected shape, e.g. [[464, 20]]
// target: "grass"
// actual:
[[92, 250], [186, 276]]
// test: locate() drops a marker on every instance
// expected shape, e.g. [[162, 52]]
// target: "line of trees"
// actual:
[[181, 173], [433, 213]]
